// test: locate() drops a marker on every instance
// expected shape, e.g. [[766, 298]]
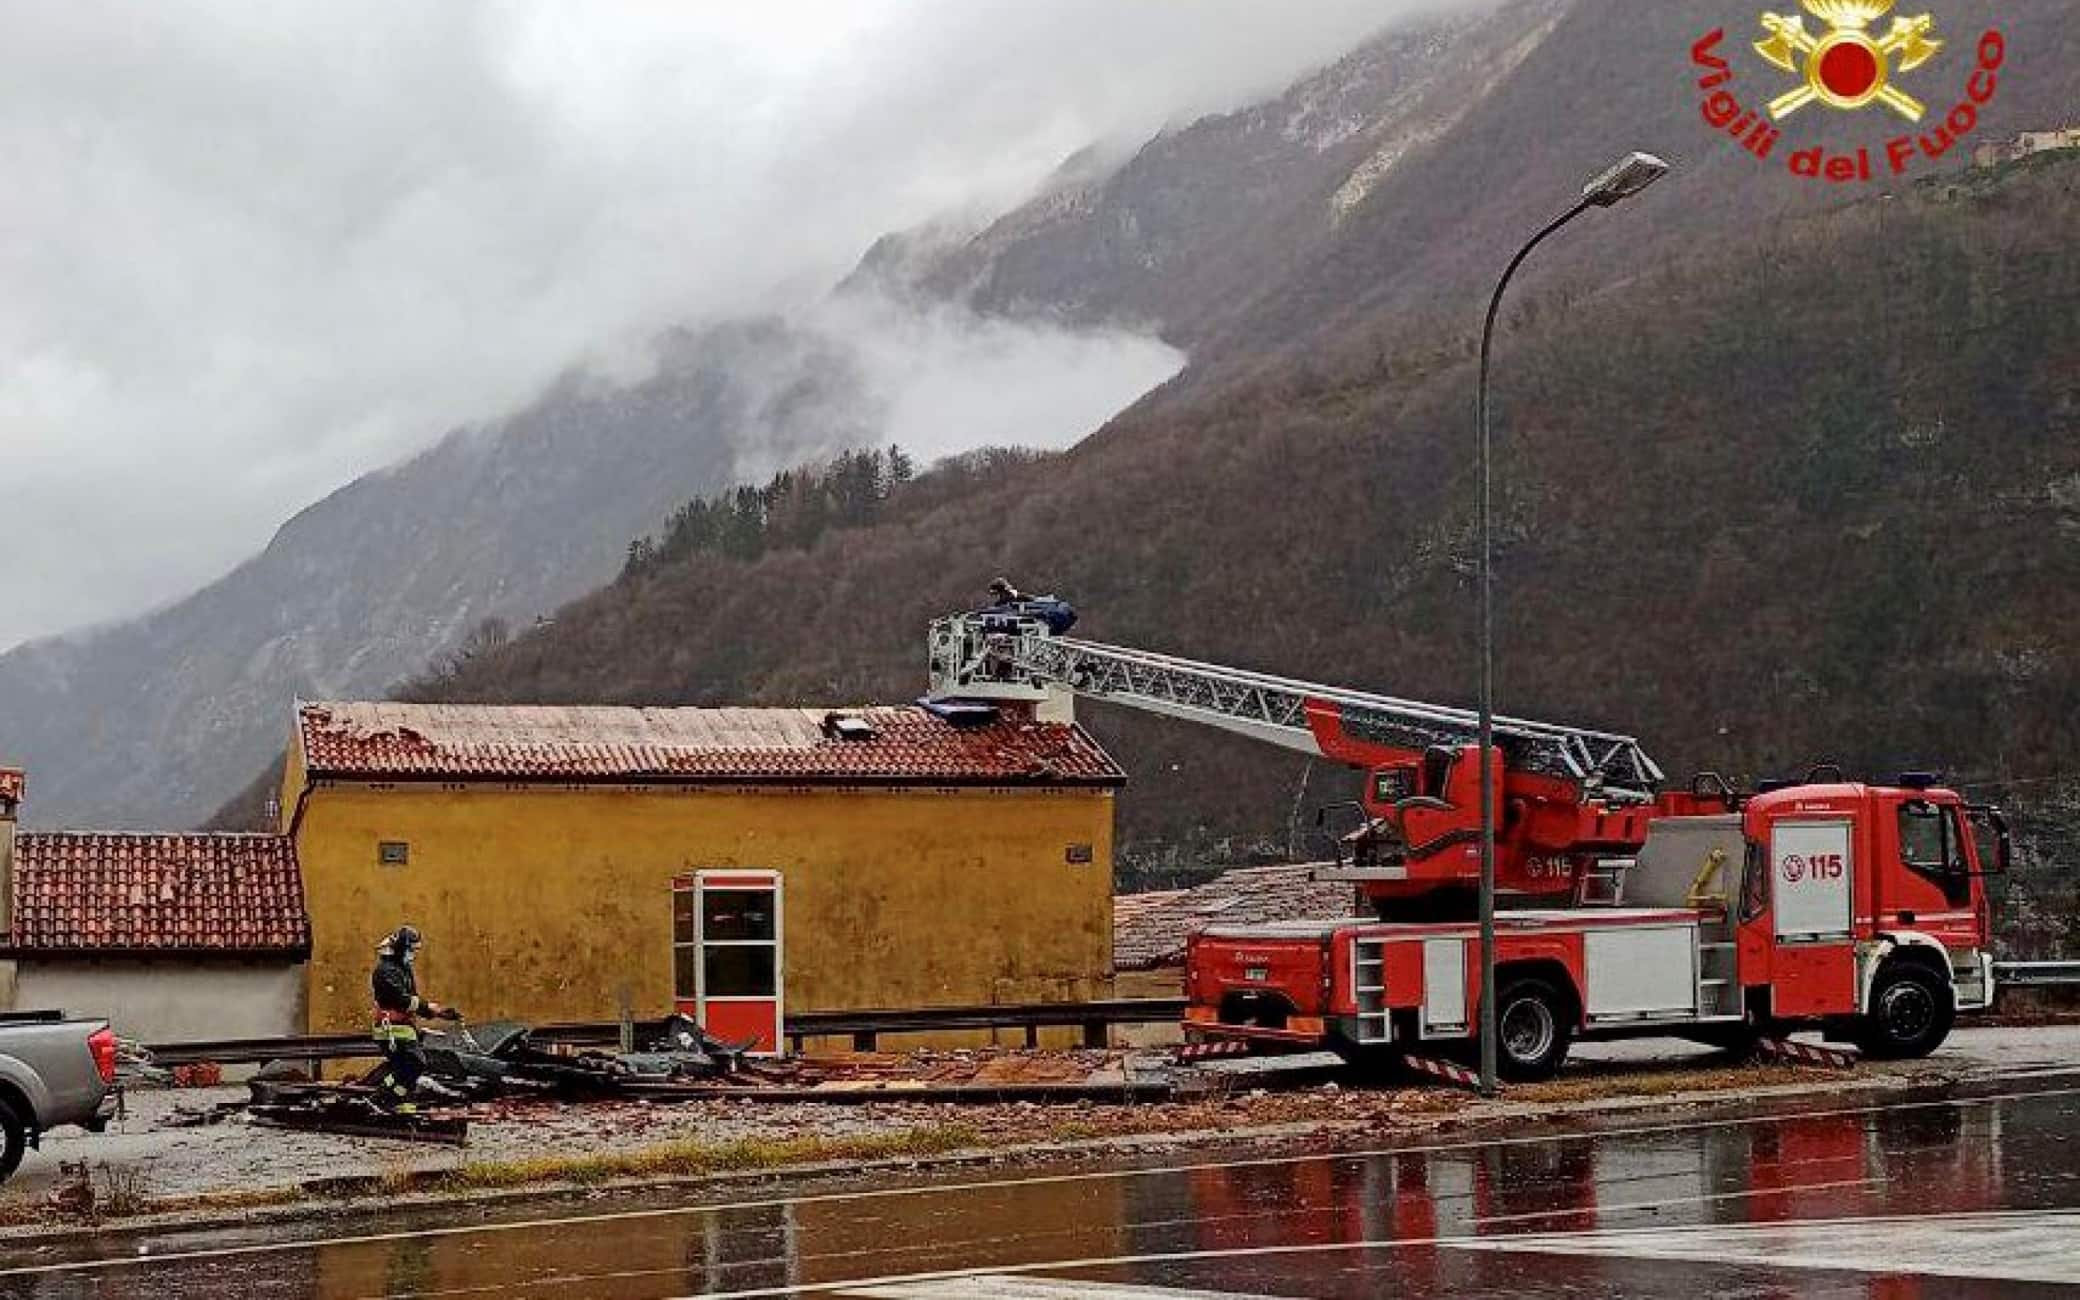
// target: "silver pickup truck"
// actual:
[[52, 1071]]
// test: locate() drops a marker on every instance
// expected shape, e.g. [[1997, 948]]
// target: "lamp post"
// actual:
[[1625, 178]]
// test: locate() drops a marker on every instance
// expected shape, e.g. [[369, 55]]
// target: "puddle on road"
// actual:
[[1199, 1228]]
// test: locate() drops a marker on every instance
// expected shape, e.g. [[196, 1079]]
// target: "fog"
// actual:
[[948, 380], [248, 252]]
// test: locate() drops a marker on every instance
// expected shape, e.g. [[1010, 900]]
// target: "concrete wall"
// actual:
[[169, 1000], [547, 903]]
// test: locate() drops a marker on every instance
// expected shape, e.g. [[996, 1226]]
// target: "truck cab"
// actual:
[[1863, 908]]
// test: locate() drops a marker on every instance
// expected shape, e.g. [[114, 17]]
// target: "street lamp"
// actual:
[[1625, 178]]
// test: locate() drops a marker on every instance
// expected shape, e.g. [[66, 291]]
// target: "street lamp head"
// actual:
[[1625, 178]]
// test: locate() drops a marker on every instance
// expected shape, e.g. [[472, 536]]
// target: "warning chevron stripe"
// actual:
[[1790, 1053], [1215, 1049], [1458, 1075]]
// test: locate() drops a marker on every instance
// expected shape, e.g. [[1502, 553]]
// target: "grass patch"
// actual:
[[256, 1198], [1665, 1083], [128, 1200], [671, 1160], [694, 1158]]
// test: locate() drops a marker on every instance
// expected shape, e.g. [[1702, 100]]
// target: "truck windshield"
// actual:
[[1930, 845]]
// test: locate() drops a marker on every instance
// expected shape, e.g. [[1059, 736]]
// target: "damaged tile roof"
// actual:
[[1149, 930], [81, 892], [907, 745]]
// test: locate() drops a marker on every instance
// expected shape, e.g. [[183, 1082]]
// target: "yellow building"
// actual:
[[741, 863]]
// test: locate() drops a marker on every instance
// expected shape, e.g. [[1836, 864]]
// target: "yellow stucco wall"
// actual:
[[547, 904]]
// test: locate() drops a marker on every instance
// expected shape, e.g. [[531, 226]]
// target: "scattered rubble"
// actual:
[[198, 1154], [682, 1063]]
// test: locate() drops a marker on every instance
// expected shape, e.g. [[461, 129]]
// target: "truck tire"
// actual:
[[1532, 1030], [14, 1137], [1911, 1011]]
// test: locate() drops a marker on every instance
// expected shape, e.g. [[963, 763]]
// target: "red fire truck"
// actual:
[[1629, 910]]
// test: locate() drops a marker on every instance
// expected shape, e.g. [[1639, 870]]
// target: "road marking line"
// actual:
[[984, 1185], [1977, 1221], [595, 1278], [2014, 1246], [999, 1286], [1107, 1261]]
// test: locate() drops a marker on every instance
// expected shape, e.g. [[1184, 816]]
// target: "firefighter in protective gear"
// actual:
[[398, 1008]]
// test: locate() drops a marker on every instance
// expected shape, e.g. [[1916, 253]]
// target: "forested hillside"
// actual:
[[1788, 471], [1811, 495], [1344, 227]]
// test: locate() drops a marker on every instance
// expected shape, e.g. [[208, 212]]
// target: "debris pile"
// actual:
[[500, 1059], [500, 1062]]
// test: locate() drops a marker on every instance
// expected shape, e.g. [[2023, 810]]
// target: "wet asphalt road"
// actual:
[[1938, 1197]]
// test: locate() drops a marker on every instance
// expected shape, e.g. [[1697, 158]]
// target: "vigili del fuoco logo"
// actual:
[[1847, 66]]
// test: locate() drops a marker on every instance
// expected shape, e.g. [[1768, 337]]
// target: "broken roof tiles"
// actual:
[[87, 893], [904, 745], [1149, 930]]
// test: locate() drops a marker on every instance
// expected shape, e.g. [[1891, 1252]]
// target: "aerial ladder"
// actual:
[[1859, 910], [1570, 799]]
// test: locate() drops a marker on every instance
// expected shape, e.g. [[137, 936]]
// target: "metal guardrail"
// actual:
[[1094, 1018], [2035, 974], [259, 1051], [864, 1028]]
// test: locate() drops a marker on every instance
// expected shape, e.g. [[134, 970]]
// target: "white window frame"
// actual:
[[734, 880]]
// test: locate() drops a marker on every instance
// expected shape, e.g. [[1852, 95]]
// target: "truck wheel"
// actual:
[[1532, 1031], [1910, 1014], [14, 1136]]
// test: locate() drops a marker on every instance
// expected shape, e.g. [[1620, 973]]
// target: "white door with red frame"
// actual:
[[727, 967], [1812, 894]]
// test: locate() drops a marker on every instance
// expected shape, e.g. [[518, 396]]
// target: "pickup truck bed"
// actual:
[[53, 1071]]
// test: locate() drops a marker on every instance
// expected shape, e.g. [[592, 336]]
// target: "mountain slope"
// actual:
[[1200, 220], [1388, 189], [1613, 76], [1337, 240], [154, 722], [157, 720], [1810, 495]]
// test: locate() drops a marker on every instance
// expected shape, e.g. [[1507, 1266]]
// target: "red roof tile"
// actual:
[[1149, 930], [11, 784], [231, 895], [908, 746]]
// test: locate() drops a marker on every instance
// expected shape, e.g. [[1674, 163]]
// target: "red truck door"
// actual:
[[1812, 893]]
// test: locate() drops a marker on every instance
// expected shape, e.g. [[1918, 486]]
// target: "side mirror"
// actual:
[[2003, 845]]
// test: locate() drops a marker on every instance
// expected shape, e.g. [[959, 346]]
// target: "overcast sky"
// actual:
[[248, 251]]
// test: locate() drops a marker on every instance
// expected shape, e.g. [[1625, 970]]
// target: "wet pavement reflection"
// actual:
[[1738, 1207]]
